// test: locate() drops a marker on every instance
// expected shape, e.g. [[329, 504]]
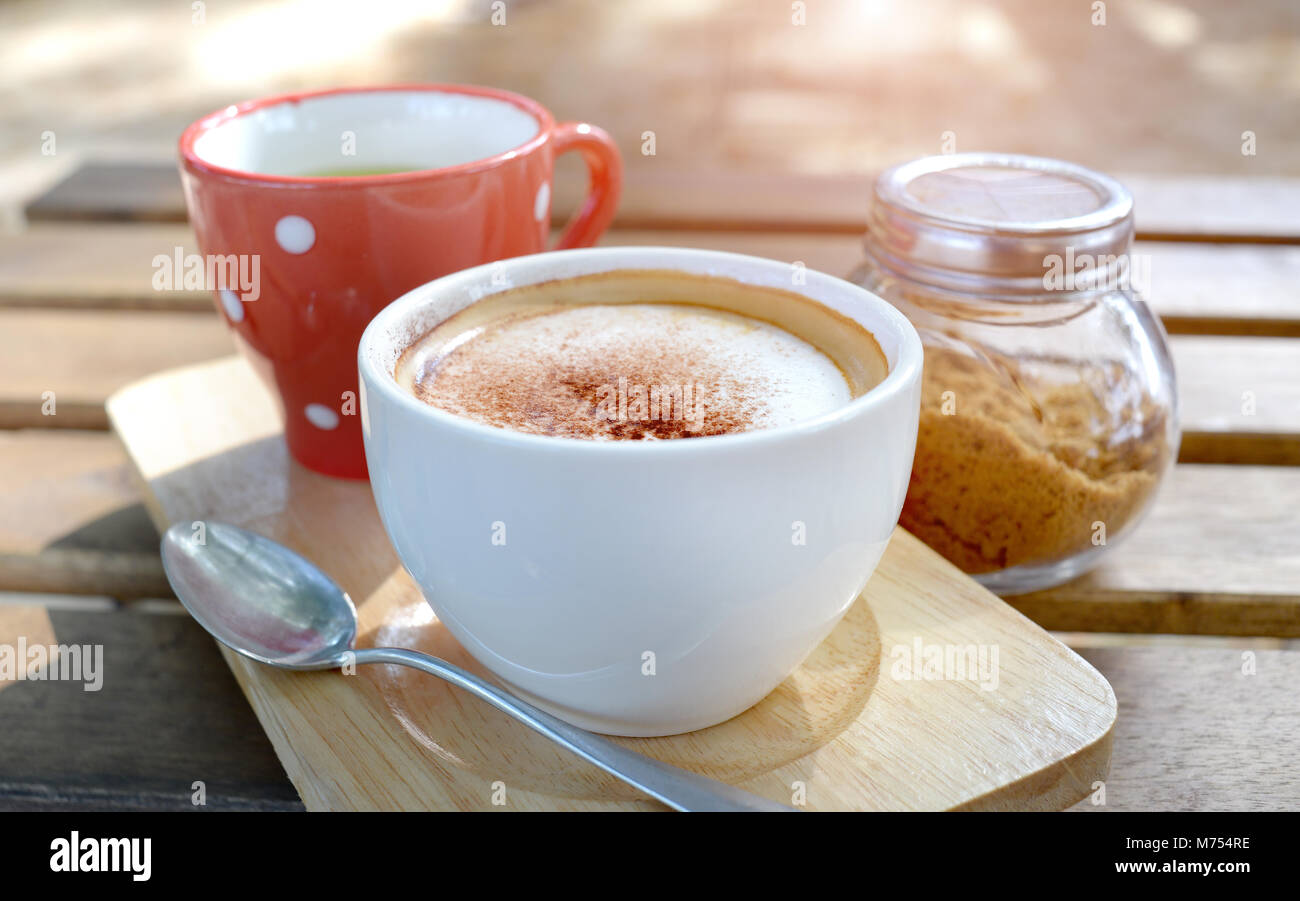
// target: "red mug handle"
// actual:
[[605, 184]]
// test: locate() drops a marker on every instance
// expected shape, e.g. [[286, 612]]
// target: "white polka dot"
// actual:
[[295, 234], [234, 306], [543, 201], [321, 416]]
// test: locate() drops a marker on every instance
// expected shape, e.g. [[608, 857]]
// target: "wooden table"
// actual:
[[1206, 721]]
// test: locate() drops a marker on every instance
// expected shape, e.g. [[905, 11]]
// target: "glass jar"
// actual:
[[1049, 414]]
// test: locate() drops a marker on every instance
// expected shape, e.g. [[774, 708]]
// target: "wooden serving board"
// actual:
[[843, 732]]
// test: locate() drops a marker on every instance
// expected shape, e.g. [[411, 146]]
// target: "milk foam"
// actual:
[[603, 371]]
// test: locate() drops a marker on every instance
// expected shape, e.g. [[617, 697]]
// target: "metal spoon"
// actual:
[[264, 601]]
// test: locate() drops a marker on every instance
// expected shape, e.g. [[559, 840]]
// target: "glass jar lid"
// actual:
[[998, 223]]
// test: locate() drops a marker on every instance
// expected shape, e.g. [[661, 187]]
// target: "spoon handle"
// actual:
[[679, 789]]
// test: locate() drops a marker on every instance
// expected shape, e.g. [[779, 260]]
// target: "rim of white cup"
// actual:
[[561, 264]]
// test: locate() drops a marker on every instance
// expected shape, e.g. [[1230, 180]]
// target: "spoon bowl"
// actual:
[[276, 606]]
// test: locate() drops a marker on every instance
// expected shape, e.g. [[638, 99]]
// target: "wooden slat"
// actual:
[[1219, 554], [168, 714], [82, 357], [652, 198], [1196, 288], [1196, 733], [1212, 289], [113, 192], [94, 267], [23, 623], [1224, 289], [1260, 210], [1263, 209], [1216, 208], [71, 520], [1174, 208], [1240, 399]]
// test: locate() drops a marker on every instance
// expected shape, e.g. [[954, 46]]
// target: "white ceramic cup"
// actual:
[[634, 587]]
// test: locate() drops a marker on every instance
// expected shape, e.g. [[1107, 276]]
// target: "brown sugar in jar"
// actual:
[[1004, 475], [1048, 412]]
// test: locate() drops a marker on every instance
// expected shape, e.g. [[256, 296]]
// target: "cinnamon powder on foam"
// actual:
[[548, 374], [1020, 470]]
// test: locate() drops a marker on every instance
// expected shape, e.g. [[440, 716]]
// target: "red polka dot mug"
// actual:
[[331, 204]]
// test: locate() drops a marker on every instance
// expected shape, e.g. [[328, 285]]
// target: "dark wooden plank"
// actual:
[[168, 714], [113, 192]]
